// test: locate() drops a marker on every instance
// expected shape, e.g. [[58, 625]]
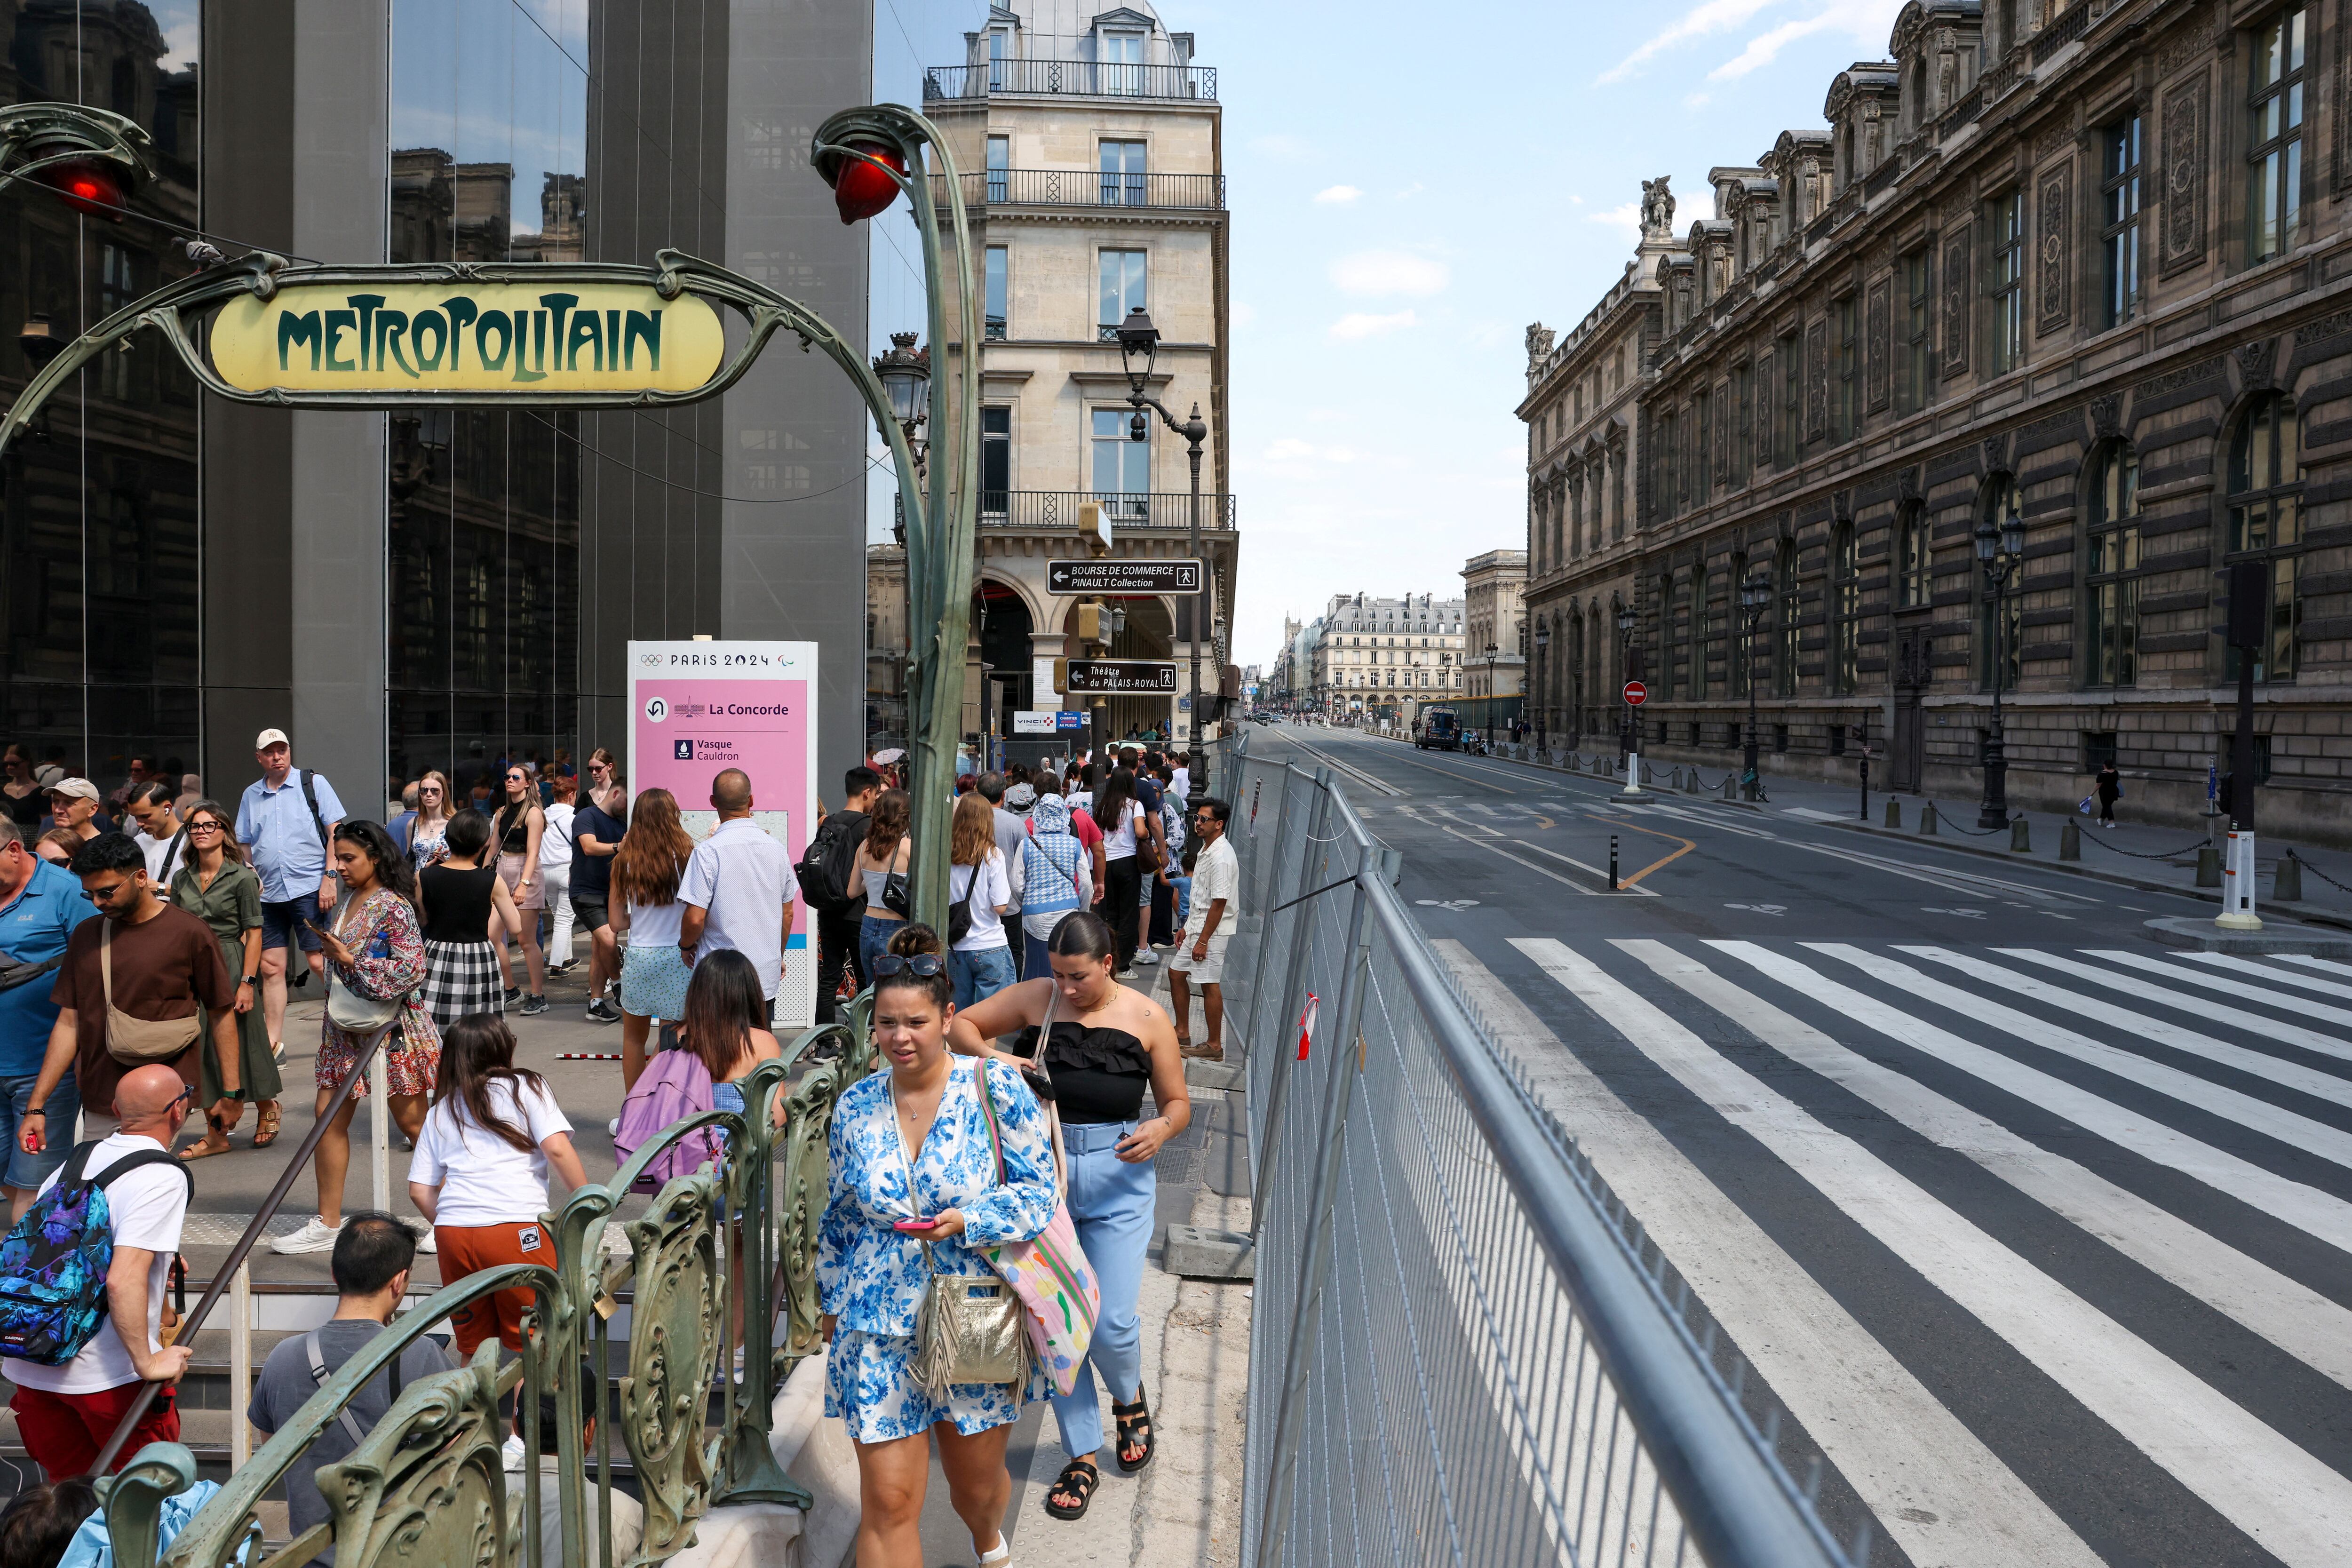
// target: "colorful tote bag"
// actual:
[[1060, 1295]]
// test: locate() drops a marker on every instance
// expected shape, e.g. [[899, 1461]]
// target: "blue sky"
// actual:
[[1411, 186]]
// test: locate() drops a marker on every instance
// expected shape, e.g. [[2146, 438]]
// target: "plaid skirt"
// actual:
[[461, 977]]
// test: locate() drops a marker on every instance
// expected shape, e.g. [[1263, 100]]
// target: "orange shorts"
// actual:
[[468, 1248]]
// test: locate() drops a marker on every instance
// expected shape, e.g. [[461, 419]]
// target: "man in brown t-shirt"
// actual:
[[166, 964]]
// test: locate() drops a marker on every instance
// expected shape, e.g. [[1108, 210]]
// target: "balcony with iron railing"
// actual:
[[1160, 511], [1068, 79], [1091, 188]]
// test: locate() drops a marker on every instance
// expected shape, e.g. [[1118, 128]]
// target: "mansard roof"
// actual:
[[1868, 79], [1916, 18]]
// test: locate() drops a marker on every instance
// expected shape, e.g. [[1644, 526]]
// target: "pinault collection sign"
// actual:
[[406, 337]]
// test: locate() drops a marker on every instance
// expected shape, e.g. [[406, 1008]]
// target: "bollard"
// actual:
[[2286, 888], [1731, 786], [1893, 814], [2238, 891], [1612, 862], [1690, 782], [2070, 841], [2209, 865], [1928, 820], [2021, 836]]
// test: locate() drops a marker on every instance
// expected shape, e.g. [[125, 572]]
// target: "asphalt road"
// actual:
[[2042, 1233]]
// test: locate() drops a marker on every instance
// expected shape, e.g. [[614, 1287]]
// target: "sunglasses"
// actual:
[[922, 966]]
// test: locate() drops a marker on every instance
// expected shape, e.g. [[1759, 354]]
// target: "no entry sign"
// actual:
[[1636, 693]]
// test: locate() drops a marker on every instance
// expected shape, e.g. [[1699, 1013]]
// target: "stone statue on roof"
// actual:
[[1657, 209]]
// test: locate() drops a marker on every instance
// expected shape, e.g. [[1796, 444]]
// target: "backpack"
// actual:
[[674, 1085], [828, 867], [53, 1265], [959, 912]]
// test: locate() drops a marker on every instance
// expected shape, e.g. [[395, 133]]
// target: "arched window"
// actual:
[[2110, 556], [2001, 504], [2266, 524], [1911, 556], [1784, 662], [1845, 612]]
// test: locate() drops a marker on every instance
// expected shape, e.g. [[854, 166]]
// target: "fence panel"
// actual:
[[1463, 1350]]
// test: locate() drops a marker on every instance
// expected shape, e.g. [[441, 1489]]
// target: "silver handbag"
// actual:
[[970, 1328]]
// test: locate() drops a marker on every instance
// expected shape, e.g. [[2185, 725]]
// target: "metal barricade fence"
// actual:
[[1462, 1349]]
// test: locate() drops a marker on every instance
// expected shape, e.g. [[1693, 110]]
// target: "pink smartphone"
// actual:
[[913, 1223]]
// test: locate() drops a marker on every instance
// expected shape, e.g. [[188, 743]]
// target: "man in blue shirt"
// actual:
[[286, 822], [40, 904]]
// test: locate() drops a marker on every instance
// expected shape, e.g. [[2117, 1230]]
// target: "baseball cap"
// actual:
[[269, 738], [82, 789]]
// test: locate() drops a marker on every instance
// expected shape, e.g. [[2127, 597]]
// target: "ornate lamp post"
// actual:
[[1626, 720], [905, 373], [1491, 651], [1139, 340], [1754, 594], [2002, 550], [1543, 649]]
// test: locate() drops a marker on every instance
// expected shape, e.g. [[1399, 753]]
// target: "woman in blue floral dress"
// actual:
[[872, 1276]]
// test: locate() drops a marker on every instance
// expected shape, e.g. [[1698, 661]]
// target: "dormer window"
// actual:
[[1000, 49]]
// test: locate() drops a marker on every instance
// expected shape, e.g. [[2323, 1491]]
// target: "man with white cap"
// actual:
[[287, 822], [74, 804]]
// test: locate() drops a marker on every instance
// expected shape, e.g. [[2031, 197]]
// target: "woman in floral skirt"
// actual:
[[913, 1144], [374, 948]]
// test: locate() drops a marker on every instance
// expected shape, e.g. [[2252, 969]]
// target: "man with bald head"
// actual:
[[739, 887], [67, 1412]]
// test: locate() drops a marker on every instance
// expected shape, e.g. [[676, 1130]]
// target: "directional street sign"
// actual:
[[1636, 693], [1123, 576], [1122, 677]]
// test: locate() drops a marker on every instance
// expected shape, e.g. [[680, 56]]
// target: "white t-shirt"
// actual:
[[143, 1208], [655, 925], [1216, 874], [161, 862], [484, 1179], [1181, 781], [987, 927], [555, 844], [1119, 843]]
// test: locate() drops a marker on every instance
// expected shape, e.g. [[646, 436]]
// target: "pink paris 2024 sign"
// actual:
[[699, 708]]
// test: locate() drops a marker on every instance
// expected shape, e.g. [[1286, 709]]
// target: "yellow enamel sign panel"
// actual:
[[468, 337]]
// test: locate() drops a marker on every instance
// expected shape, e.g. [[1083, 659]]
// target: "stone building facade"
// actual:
[[2079, 271], [1378, 660], [1094, 152], [1493, 586]]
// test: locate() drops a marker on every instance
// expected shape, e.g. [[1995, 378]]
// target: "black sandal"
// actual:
[[1078, 1478], [1133, 1420]]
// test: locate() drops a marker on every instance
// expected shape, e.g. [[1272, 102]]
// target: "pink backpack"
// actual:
[[674, 1085]]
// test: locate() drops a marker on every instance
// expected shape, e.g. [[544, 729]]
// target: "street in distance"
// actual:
[[1123, 576], [1121, 677]]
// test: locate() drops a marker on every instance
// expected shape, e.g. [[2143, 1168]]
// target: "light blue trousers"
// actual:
[[1110, 1204]]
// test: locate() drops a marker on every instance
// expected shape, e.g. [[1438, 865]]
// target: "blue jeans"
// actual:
[[27, 1172], [980, 973], [873, 940], [1111, 1205], [1183, 886]]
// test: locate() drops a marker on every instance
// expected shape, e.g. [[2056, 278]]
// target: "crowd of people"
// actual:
[[144, 981]]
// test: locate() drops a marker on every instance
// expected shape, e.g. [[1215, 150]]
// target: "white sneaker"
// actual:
[[316, 1236], [1144, 955], [425, 1243]]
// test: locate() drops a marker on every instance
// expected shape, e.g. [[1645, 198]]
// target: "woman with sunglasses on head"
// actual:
[[375, 949], [214, 884], [521, 824], [1106, 1045], [916, 1187]]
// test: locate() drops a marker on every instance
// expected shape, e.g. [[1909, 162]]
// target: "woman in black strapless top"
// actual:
[[1103, 1046]]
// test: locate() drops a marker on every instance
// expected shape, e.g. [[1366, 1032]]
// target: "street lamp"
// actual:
[[1543, 647], [1139, 340], [1626, 720], [1491, 651], [905, 373], [2001, 551], [92, 161], [1755, 593]]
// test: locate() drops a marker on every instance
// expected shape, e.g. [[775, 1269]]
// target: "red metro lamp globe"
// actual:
[[87, 185], [860, 189]]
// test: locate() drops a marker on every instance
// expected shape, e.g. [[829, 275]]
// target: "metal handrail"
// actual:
[[1078, 79], [1059, 508], [1090, 189]]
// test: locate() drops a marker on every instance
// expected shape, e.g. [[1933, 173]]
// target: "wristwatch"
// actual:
[[251, 980]]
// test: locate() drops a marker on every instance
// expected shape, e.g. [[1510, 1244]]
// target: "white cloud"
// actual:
[[1694, 101], [1357, 325], [1337, 195], [1867, 21], [1627, 217], [1711, 17], [1379, 272]]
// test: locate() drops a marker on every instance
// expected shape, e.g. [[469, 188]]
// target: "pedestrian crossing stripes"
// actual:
[[2049, 1278]]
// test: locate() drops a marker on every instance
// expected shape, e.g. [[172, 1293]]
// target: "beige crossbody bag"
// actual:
[[134, 1042]]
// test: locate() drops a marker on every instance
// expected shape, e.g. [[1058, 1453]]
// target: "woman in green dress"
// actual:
[[216, 885]]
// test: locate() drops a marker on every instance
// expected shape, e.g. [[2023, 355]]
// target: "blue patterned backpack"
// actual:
[[54, 1263]]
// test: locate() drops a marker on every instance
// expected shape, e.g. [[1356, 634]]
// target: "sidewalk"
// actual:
[[2154, 859]]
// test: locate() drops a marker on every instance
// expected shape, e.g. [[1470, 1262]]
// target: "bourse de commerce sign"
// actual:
[[572, 335]]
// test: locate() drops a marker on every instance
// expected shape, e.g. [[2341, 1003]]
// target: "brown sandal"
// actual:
[[204, 1148], [265, 1133]]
